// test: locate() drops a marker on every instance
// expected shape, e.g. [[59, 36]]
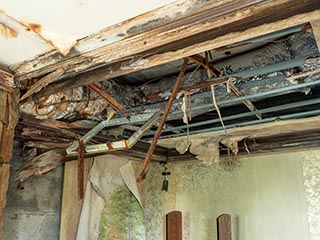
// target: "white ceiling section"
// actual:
[[64, 19]]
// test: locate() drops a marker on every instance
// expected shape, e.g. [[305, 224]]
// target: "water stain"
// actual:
[[7, 32]]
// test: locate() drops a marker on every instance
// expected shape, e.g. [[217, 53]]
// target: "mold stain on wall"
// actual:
[[311, 176], [265, 196]]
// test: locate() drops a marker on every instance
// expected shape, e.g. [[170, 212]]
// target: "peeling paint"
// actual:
[[61, 43]]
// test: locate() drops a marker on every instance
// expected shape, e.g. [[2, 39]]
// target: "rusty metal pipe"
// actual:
[[153, 144]]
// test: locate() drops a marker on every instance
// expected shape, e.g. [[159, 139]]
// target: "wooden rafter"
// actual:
[[139, 62], [114, 103], [214, 72]]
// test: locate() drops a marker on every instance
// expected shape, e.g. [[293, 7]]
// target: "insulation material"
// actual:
[[232, 143], [78, 101], [110, 210], [206, 150]]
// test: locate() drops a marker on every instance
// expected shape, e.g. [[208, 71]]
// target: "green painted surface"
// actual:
[[122, 217]]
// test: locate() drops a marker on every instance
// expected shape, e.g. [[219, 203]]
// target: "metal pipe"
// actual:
[[265, 120], [256, 95], [244, 74], [119, 145], [242, 115]]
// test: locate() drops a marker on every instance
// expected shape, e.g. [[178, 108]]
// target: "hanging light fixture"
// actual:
[[165, 173]]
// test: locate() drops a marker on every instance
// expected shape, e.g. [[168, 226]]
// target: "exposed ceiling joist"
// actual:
[[139, 62], [209, 22]]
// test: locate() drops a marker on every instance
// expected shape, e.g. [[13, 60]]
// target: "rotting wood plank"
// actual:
[[316, 31], [200, 85], [43, 82], [156, 136], [137, 63], [131, 27], [114, 103], [9, 119], [216, 20], [186, 26], [6, 81]]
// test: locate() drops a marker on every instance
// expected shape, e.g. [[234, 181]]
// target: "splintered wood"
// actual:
[[43, 82], [114, 103], [8, 121]]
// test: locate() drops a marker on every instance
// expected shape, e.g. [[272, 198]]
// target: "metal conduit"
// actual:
[[242, 115], [265, 120]]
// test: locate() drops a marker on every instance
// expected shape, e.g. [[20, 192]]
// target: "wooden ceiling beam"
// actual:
[[140, 62], [214, 19]]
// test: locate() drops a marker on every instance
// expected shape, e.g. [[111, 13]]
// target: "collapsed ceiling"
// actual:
[[247, 66]]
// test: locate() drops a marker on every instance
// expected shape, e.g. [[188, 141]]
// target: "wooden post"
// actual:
[[8, 121]]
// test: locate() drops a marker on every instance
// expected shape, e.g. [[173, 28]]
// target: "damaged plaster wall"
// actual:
[[268, 197], [33, 210]]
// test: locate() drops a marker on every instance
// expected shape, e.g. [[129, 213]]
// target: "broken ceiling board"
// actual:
[[316, 31], [34, 30], [87, 17], [139, 63], [259, 130], [216, 19], [128, 28], [43, 82]]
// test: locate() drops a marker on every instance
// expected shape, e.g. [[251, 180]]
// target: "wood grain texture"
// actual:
[[114, 103], [238, 26], [174, 225], [9, 119], [316, 31], [71, 205]]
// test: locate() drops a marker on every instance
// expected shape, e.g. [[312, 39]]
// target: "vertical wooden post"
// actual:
[[224, 227], [8, 120], [174, 225]]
